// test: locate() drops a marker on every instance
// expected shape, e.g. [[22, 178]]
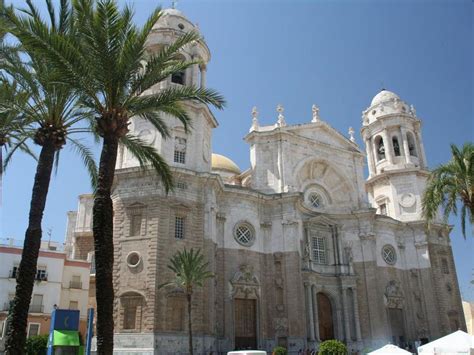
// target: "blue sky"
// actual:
[[336, 54]]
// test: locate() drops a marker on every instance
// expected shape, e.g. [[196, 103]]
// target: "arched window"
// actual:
[[411, 144], [180, 76], [379, 146], [396, 146], [131, 311], [179, 150]]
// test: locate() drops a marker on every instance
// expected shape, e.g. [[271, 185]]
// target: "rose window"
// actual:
[[389, 254], [244, 234]]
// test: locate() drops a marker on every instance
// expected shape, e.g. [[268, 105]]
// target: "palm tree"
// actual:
[[190, 270], [108, 64], [52, 113], [450, 184]]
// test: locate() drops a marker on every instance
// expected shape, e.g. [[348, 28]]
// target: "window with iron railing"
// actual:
[[41, 275]]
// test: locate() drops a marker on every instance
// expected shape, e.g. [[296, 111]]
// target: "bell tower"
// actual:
[[395, 156], [189, 150]]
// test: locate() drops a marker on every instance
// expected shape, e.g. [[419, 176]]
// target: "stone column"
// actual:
[[315, 311], [370, 157], [406, 149], [195, 74], [387, 143], [309, 312], [347, 320], [421, 149], [400, 142], [356, 314], [203, 76]]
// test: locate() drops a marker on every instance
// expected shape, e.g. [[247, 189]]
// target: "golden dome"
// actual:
[[220, 162]]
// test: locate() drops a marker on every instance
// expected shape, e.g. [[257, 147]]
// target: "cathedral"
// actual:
[[304, 248]]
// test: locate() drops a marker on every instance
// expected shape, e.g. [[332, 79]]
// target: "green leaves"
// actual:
[[147, 155], [452, 184], [190, 270]]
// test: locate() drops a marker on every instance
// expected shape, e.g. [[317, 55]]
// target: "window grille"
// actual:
[[244, 234], [33, 329], [180, 150], [389, 254], [444, 266], [179, 227], [319, 250]]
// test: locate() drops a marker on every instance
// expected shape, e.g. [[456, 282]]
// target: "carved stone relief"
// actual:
[[393, 295], [245, 283]]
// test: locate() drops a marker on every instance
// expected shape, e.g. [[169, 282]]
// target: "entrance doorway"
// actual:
[[326, 325], [245, 315], [395, 316]]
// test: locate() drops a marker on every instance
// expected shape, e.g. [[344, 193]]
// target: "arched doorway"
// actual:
[[325, 318]]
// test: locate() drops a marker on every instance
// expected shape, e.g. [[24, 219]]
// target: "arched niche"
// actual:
[[329, 180], [131, 311]]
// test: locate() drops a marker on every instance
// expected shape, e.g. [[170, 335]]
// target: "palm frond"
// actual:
[[87, 158], [146, 156]]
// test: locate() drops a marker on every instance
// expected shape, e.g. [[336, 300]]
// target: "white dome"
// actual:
[[384, 96], [174, 12]]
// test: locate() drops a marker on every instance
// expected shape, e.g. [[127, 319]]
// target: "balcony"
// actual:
[[75, 284], [36, 308]]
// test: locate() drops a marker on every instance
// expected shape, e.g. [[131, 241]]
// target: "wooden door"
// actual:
[[326, 325], [245, 323]]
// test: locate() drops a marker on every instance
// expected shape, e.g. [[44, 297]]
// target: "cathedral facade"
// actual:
[[304, 248]]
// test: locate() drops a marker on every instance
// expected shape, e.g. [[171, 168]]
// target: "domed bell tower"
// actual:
[[396, 158], [189, 150]]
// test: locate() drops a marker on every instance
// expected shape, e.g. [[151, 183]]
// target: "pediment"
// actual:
[[324, 133], [321, 220]]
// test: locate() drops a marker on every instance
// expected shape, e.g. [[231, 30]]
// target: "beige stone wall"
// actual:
[[84, 244]]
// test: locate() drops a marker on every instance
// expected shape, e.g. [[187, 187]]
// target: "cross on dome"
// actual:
[[281, 119], [315, 110]]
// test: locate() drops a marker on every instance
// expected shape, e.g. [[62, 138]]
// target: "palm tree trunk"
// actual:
[[190, 328], [16, 337], [104, 246]]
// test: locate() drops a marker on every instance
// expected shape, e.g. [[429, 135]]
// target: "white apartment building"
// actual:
[[60, 282]]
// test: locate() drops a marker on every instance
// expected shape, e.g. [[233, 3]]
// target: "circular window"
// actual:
[[315, 200], [133, 259], [244, 234], [389, 254], [181, 26]]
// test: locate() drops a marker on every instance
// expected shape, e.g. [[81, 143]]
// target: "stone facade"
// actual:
[[300, 253]]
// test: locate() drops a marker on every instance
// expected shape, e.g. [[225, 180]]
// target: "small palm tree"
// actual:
[[450, 184], [190, 271], [52, 114], [107, 62]]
